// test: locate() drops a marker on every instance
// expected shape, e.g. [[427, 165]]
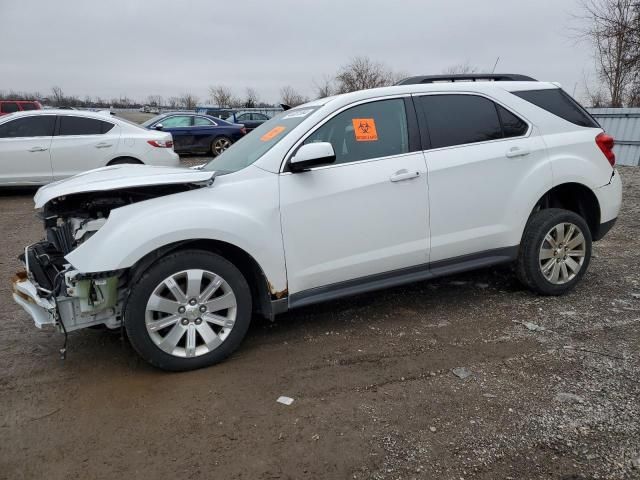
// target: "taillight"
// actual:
[[606, 142], [243, 130], [161, 143]]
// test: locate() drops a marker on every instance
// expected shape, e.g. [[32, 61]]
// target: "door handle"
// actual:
[[103, 145], [37, 149], [517, 152], [403, 174]]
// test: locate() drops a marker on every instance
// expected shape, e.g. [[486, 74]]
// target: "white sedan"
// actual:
[[41, 146]]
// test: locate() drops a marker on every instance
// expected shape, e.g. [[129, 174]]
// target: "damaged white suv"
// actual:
[[336, 197]]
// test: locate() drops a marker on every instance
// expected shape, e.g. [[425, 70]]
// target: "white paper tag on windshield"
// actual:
[[298, 113]]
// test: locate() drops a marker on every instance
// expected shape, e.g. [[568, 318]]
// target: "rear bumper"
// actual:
[[41, 310], [610, 200]]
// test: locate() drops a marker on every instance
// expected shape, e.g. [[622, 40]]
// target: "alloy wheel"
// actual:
[[220, 145], [562, 253], [191, 313]]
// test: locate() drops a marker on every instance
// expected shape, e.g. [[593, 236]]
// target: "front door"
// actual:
[[365, 214], [25, 150]]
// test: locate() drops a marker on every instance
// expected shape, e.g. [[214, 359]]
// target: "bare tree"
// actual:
[[57, 96], [612, 27], [154, 100], [188, 101], [221, 96], [362, 73], [325, 87], [460, 69], [289, 96], [173, 102], [251, 98]]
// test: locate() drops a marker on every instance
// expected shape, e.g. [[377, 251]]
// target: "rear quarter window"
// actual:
[[559, 103]]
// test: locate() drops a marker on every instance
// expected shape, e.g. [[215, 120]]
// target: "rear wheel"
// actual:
[[189, 310], [219, 145], [555, 251]]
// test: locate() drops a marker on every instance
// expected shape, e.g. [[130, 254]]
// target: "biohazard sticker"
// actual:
[[365, 129], [273, 133]]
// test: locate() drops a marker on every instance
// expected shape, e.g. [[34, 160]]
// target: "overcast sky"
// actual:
[[167, 47]]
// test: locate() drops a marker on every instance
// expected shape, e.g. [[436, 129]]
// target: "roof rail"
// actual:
[[467, 77]]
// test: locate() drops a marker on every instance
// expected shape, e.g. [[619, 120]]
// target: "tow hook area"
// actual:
[[25, 294]]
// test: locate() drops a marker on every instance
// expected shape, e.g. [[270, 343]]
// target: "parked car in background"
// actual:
[[340, 196], [12, 106], [250, 120], [41, 146], [197, 133]]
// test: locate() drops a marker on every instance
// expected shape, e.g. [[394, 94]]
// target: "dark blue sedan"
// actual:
[[194, 132]]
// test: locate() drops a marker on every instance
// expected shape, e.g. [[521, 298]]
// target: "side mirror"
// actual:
[[158, 126], [312, 155]]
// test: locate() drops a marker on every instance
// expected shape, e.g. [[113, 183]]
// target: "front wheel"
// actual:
[[219, 145], [555, 251], [191, 309]]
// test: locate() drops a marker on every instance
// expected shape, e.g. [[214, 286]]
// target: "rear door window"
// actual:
[[37, 126], [459, 119], [70, 125], [558, 102], [203, 122], [177, 121], [8, 107], [371, 130]]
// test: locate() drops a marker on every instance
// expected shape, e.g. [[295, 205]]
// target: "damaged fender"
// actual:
[[215, 213]]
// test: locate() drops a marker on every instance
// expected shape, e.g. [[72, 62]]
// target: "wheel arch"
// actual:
[[117, 160], [262, 291], [575, 197]]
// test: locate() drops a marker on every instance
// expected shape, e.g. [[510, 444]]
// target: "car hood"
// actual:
[[118, 177]]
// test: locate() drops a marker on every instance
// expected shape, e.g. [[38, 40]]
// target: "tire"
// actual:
[[125, 161], [548, 266], [182, 344], [219, 145]]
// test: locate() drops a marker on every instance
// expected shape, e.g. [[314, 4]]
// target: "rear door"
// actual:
[[82, 143], [180, 127], [481, 160], [204, 130], [25, 150]]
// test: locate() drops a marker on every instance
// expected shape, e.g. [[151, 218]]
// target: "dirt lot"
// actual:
[[375, 395]]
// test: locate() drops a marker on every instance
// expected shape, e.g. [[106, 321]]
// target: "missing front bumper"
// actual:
[[42, 311]]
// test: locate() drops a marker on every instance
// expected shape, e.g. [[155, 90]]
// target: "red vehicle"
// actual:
[[10, 106]]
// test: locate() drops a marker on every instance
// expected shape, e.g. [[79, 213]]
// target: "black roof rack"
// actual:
[[467, 77]]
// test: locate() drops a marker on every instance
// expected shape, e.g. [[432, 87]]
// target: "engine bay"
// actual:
[[82, 299]]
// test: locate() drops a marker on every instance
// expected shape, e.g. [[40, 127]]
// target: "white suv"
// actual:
[[336, 197]]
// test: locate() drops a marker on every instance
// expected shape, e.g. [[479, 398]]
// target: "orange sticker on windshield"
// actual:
[[365, 129], [273, 133]]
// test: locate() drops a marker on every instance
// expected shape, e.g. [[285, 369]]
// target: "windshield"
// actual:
[[255, 144]]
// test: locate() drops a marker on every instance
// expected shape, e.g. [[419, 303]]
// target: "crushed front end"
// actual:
[[50, 289], [55, 293]]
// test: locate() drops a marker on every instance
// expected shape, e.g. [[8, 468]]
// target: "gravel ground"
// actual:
[[553, 387]]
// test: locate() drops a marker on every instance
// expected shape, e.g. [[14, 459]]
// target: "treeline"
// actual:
[[358, 74]]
